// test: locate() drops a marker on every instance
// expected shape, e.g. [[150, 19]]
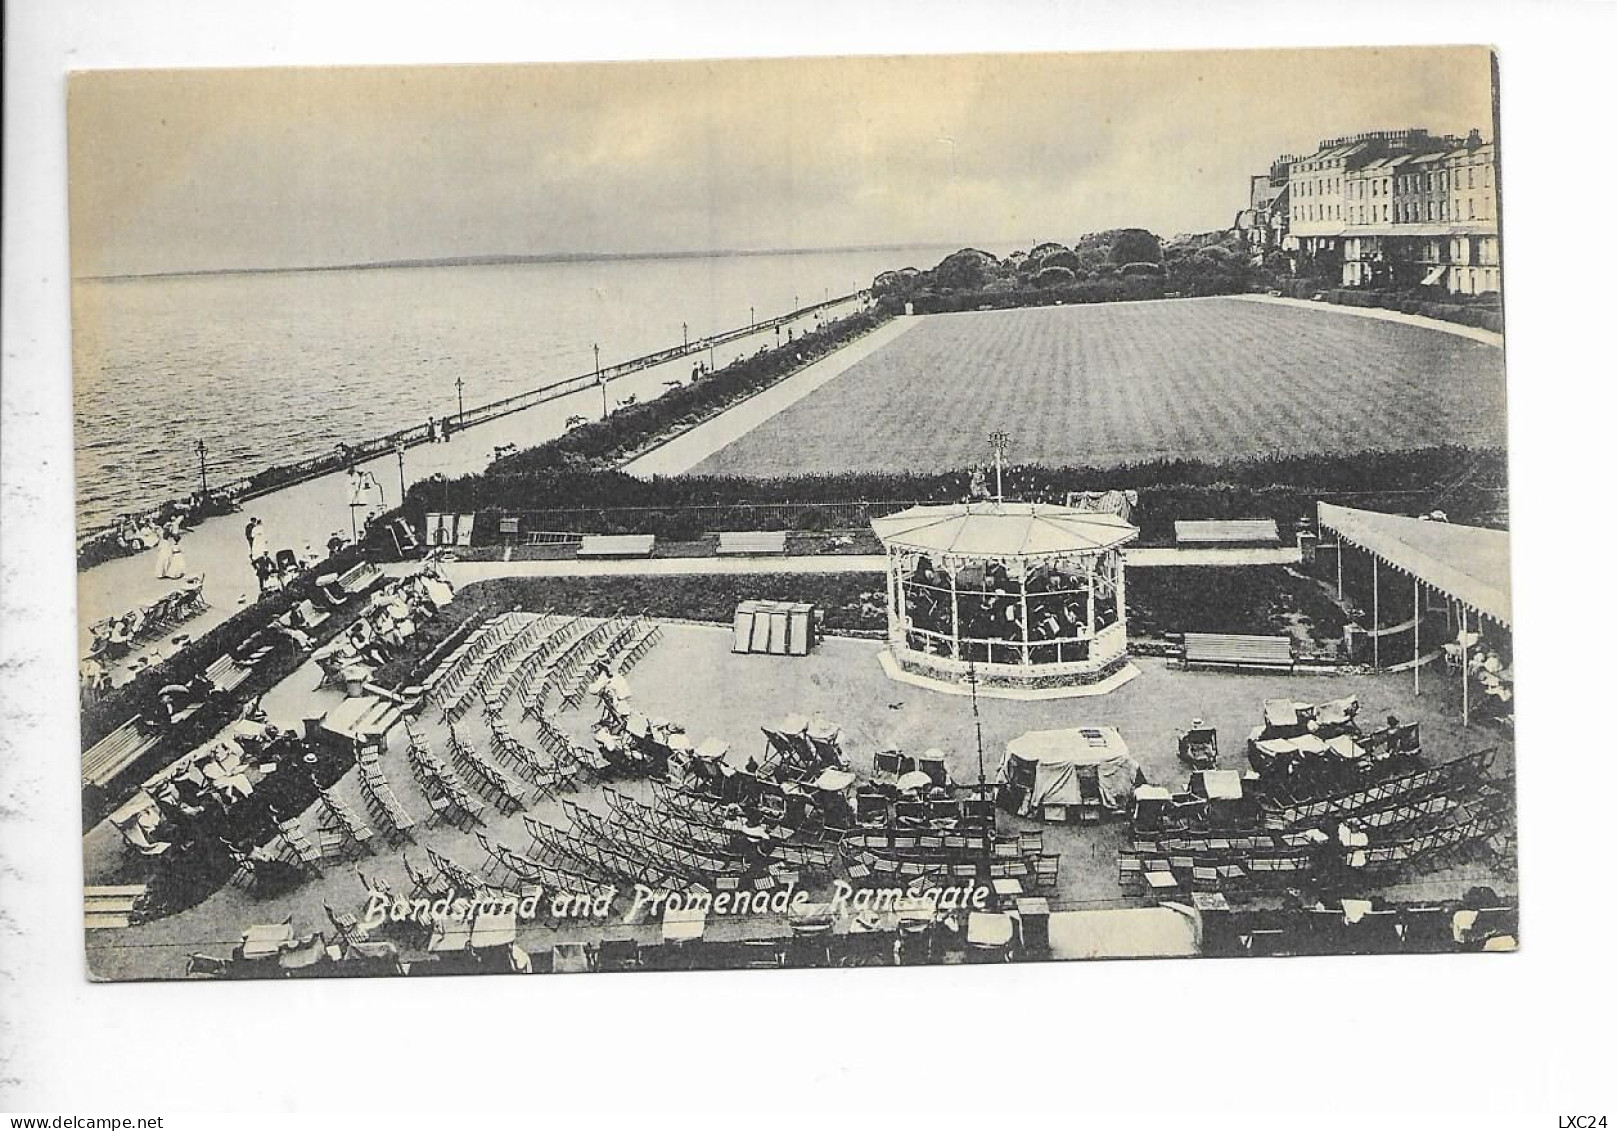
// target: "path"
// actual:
[[1486, 337], [690, 448], [309, 512], [1138, 558]]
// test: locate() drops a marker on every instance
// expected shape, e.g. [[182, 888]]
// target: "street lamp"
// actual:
[[460, 403], [999, 442], [202, 457], [600, 379], [685, 332], [971, 681], [398, 450], [752, 316]]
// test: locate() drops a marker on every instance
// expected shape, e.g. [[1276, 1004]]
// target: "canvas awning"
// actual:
[[981, 531], [1469, 564]]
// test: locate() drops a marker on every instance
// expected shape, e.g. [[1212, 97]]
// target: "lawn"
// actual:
[[1118, 383]]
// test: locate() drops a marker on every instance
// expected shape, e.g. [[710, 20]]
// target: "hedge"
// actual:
[[1482, 313], [1261, 600], [632, 427], [1284, 488]]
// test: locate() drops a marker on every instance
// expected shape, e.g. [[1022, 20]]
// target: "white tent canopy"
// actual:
[[1060, 760]]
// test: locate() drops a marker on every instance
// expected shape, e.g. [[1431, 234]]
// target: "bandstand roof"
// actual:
[[1470, 564], [1003, 530]]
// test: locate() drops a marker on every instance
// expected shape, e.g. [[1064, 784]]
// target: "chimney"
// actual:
[[1473, 140]]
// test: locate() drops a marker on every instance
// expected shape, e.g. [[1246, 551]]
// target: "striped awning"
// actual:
[[1470, 564]]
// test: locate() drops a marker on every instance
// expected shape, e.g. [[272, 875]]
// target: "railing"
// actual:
[[299, 471]]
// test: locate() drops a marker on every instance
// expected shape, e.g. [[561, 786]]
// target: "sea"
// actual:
[[263, 368]]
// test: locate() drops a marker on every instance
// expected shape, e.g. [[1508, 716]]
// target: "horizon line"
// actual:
[[512, 258]]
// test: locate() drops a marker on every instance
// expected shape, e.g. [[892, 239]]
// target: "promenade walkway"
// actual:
[[690, 448], [1486, 337], [310, 512]]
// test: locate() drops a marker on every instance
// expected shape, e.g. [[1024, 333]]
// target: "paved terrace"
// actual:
[[693, 677]]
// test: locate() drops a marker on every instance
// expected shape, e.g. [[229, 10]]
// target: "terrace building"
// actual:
[[1395, 208], [1265, 220]]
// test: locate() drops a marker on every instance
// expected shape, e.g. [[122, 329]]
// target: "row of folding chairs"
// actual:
[[1178, 873], [945, 846], [1459, 773], [548, 774], [382, 804], [341, 831], [494, 783], [634, 648], [291, 846], [534, 672], [479, 671], [456, 671], [513, 869], [695, 866], [552, 846], [1428, 846], [518, 675], [607, 859], [451, 802], [511, 660], [543, 683], [673, 824], [571, 670]]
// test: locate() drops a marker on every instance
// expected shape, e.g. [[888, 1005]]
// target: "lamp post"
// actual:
[[752, 316], [685, 333], [202, 457], [460, 403], [971, 682], [599, 379], [398, 450], [999, 441]]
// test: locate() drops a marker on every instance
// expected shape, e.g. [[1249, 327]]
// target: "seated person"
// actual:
[[364, 640], [302, 639], [386, 628]]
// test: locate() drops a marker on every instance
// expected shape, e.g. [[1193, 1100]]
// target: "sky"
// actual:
[[220, 169]]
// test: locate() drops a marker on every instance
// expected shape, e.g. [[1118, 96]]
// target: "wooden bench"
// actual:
[[107, 758], [1233, 532], [226, 673], [360, 578], [617, 545], [1207, 649], [256, 647], [752, 542]]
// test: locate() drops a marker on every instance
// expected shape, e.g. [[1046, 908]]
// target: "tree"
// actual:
[[1135, 245]]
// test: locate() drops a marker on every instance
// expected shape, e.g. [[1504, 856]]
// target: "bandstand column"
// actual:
[[1117, 585], [1022, 567], [954, 608], [1089, 597], [895, 589]]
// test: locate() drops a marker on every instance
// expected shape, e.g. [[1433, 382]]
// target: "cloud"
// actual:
[[205, 169]]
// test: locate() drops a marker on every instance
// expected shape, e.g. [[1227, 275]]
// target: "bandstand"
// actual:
[[1019, 598]]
